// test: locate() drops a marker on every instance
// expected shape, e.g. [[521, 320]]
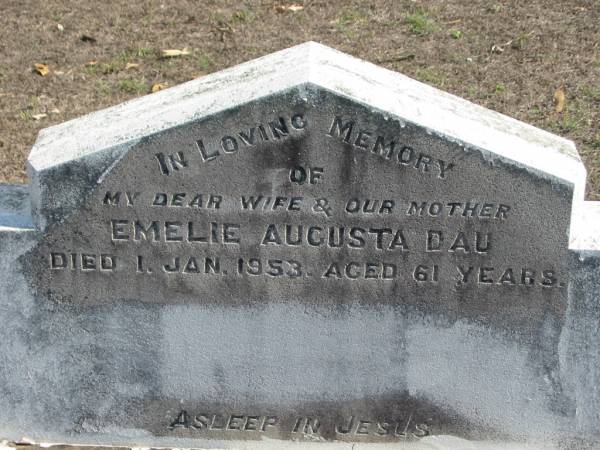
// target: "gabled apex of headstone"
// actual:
[[97, 141]]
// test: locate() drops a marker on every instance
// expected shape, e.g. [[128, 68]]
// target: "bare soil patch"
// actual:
[[510, 56]]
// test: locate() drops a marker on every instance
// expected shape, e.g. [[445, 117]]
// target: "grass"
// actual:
[[242, 16], [521, 40], [135, 53], [590, 92], [25, 115], [456, 34], [536, 110], [347, 21], [596, 141], [103, 68], [473, 92], [118, 64], [27, 112], [420, 23], [204, 62], [351, 16], [132, 86], [103, 87], [108, 68], [219, 19], [144, 52], [572, 120], [430, 76]]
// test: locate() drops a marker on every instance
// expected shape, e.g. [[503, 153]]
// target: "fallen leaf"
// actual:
[[93, 62], [290, 8], [559, 99], [497, 49], [87, 38], [131, 66], [39, 116], [60, 27], [158, 87], [42, 69], [171, 53]]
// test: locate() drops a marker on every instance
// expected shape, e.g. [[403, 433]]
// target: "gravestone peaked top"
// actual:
[[302, 247], [98, 140]]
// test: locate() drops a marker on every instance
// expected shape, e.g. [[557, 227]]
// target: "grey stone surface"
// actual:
[[582, 339], [303, 247]]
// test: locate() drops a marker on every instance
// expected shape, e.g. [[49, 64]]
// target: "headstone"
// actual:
[[305, 247]]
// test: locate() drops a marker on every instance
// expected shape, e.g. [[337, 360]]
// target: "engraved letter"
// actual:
[[142, 233], [58, 260], [169, 163], [229, 144], [299, 122], [416, 209], [434, 240], [271, 236], [174, 267], [464, 273], [206, 156], [160, 199], [345, 430], [480, 240], [119, 230], [248, 138], [444, 167], [112, 199], [181, 421], [383, 149], [279, 128], [338, 128]]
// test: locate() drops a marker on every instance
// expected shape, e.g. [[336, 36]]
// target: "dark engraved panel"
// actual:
[[311, 200]]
